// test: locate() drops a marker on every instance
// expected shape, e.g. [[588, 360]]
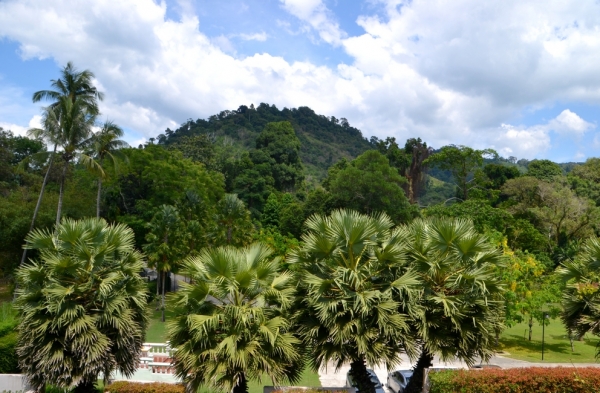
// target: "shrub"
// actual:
[[133, 387], [309, 390], [9, 363], [517, 380]]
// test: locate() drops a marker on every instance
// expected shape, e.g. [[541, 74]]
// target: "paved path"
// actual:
[[336, 378], [330, 377]]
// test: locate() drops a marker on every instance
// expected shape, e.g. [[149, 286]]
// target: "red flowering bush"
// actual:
[[518, 380]]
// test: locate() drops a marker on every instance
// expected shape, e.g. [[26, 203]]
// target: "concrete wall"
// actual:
[[13, 383]]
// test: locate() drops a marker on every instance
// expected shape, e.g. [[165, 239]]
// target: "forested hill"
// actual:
[[325, 140]]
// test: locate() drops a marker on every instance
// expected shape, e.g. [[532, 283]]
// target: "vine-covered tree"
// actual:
[[462, 162]]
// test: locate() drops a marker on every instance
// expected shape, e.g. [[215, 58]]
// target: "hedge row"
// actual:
[[518, 380], [134, 387]]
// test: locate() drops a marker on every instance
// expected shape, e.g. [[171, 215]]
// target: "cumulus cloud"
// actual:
[[530, 142], [449, 72], [314, 13], [569, 123], [35, 122]]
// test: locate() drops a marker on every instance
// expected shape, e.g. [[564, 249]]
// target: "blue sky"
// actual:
[[518, 76]]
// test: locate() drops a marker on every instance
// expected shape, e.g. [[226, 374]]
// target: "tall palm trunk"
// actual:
[[242, 385], [163, 295], [39, 201], [360, 376], [98, 197], [415, 384], [61, 192], [99, 193]]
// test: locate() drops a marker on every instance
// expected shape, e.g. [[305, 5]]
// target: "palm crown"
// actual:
[[357, 292], [581, 297], [461, 296], [231, 323], [83, 304]]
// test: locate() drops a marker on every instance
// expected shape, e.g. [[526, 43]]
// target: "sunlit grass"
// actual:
[[557, 347]]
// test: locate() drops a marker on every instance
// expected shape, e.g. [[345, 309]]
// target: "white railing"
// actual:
[[157, 357]]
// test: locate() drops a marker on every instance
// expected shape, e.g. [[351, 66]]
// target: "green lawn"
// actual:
[[157, 330], [557, 348]]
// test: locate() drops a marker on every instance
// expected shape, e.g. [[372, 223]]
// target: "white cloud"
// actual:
[[529, 142], [521, 142], [449, 72], [569, 123], [35, 122], [316, 15], [262, 36]]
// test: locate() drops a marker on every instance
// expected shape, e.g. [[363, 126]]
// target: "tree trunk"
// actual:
[[572, 344], [39, 201], [163, 295], [242, 385], [530, 327], [85, 387], [61, 192], [158, 277], [99, 192], [98, 198], [360, 377], [415, 384]]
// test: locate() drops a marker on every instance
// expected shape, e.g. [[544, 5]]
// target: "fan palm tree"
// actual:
[[82, 305], [461, 294], [581, 297], [356, 293], [105, 144], [232, 324]]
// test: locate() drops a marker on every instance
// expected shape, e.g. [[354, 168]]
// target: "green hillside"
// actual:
[[325, 140]]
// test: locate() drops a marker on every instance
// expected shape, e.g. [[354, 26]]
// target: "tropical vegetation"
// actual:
[[82, 305], [232, 323], [368, 247]]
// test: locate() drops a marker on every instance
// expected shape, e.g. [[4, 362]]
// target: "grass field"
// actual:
[[557, 347], [157, 330]]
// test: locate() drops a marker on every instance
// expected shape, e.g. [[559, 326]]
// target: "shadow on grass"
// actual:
[[535, 346]]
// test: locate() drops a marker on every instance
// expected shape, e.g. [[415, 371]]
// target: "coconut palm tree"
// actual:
[[461, 294], [581, 297], [105, 143], [232, 324], [82, 305], [48, 133], [73, 125], [356, 293], [165, 247], [72, 84], [233, 222]]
